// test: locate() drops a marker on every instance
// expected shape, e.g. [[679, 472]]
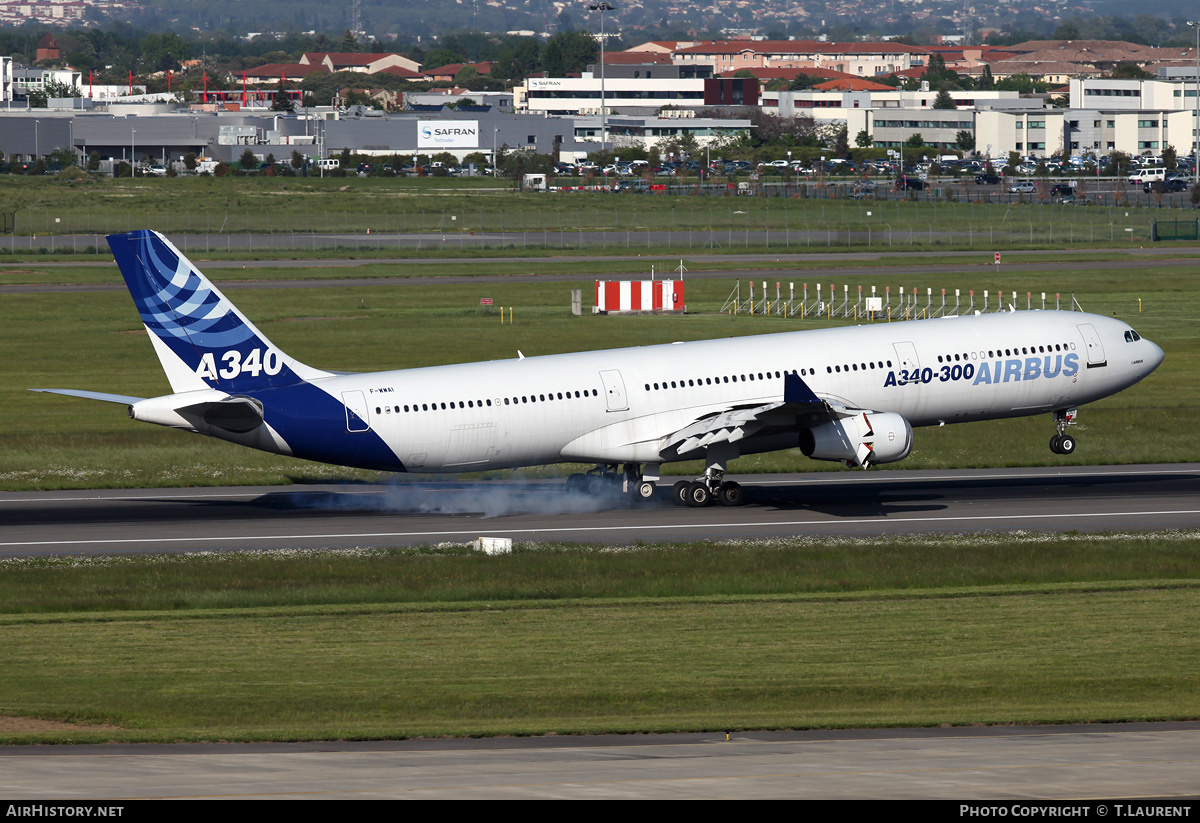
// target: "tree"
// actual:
[[297, 159], [916, 141], [1014, 160], [282, 101], [189, 161], [1119, 163], [965, 140], [349, 43], [841, 142], [1131, 71], [518, 60], [863, 140], [1170, 157], [248, 161], [93, 161], [442, 56], [943, 99], [570, 51], [986, 81], [1066, 31]]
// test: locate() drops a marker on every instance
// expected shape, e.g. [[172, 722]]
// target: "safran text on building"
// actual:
[[447, 134]]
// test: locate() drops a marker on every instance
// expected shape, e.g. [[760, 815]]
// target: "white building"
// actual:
[[6, 79], [1133, 95]]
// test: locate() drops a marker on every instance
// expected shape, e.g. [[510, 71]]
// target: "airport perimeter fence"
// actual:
[[609, 222]]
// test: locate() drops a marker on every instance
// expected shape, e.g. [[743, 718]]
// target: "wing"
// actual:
[[800, 408]]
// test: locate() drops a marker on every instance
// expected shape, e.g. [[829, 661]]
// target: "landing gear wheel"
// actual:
[[576, 483], [1055, 442], [730, 494], [1066, 444], [698, 495], [644, 490], [679, 492]]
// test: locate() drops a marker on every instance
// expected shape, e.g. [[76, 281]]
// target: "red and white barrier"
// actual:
[[639, 295]]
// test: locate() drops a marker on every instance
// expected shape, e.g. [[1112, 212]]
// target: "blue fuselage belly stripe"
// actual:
[[314, 426]]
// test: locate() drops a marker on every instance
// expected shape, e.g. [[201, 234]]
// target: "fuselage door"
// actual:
[[906, 353], [614, 390], [356, 411], [1095, 349]]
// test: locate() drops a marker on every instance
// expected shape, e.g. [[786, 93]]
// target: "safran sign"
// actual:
[[447, 134]]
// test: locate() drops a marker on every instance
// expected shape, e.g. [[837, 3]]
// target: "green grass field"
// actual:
[[568, 639], [558, 639], [348, 207]]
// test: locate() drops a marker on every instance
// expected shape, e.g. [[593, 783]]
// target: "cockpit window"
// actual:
[[1131, 336]]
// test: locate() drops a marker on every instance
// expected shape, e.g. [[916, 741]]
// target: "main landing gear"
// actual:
[[707, 489], [1063, 443], [607, 481]]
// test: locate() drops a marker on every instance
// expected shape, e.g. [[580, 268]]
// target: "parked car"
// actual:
[[1174, 184], [157, 170], [1022, 188], [635, 186], [911, 184], [987, 179], [1062, 190]]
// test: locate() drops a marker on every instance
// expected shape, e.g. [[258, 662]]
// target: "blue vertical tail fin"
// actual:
[[201, 339]]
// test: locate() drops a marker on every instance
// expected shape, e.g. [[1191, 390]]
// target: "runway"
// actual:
[[1153, 762], [418, 510]]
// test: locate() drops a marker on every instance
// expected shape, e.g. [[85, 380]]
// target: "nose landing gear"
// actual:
[[1063, 443]]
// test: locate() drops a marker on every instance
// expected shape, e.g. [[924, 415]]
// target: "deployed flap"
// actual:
[[801, 408]]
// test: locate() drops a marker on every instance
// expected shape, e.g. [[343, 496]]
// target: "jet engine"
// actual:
[[864, 439]]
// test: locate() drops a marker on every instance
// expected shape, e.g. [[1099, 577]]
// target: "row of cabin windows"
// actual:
[[874, 364], [709, 381], [472, 404], [1013, 352]]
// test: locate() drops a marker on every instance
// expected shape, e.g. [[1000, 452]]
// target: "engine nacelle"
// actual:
[[865, 439]]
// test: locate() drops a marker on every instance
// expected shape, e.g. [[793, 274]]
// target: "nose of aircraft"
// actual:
[[1154, 357]]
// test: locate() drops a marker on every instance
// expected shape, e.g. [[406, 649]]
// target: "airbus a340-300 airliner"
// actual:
[[851, 394]]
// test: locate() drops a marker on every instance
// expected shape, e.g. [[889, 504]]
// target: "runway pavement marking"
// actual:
[[475, 527], [892, 477]]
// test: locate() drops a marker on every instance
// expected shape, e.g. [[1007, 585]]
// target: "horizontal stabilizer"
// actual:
[[94, 395]]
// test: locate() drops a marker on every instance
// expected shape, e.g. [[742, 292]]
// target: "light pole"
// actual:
[[602, 7], [1196, 134], [132, 153], [35, 140]]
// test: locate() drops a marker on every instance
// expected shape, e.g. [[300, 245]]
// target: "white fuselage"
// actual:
[[617, 405]]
